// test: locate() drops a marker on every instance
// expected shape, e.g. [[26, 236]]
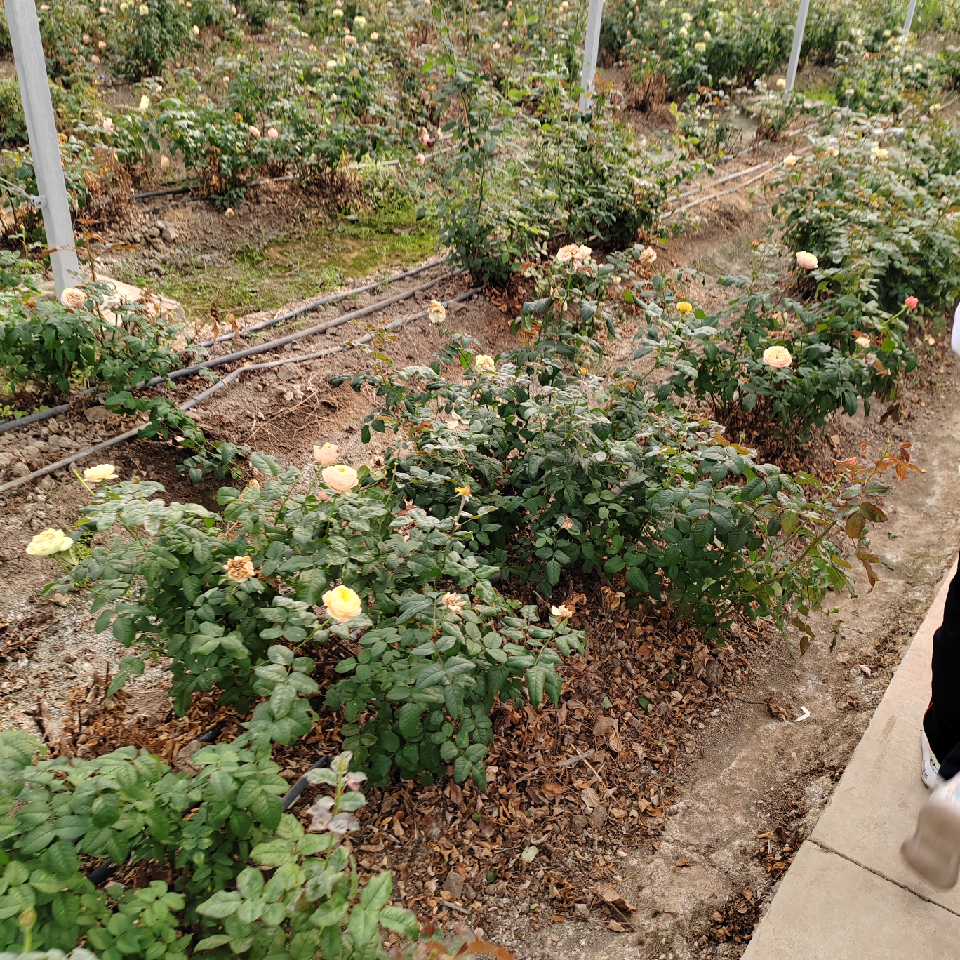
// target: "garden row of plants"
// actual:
[[720, 46]]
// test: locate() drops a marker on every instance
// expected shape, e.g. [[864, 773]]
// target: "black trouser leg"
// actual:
[[942, 720]]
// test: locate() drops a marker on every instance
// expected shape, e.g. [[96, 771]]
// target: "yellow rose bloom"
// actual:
[[685, 306], [342, 603], [485, 363]]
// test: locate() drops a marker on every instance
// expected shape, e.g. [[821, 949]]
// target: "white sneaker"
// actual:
[[929, 765], [934, 849]]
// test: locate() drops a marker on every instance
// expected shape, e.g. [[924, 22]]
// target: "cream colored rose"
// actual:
[[777, 357], [73, 298], [105, 471], [342, 603], [791, 160], [239, 569], [807, 261], [562, 612], [48, 543], [648, 256], [340, 477], [485, 363], [863, 342], [437, 312], [326, 455]]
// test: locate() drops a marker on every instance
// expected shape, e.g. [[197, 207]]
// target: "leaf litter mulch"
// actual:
[[574, 789]]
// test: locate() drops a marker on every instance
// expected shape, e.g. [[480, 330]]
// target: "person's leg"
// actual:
[[934, 849], [941, 723]]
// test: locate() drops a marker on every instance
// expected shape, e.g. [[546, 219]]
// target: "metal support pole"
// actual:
[[44, 145], [797, 44], [590, 51], [911, 10]]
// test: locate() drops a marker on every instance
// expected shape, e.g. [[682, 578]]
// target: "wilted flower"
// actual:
[[454, 602], [342, 603], [911, 303], [239, 569], [807, 261], [49, 542], [863, 342], [778, 357], [73, 298], [562, 612], [464, 491], [484, 363], [105, 471], [685, 306], [340, 477], [326, 455], [437, 312], [229, 213]]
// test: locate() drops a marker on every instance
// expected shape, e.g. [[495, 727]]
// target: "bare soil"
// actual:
[[666, 794]]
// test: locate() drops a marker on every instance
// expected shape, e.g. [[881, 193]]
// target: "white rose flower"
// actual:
[[48, 543], [105, 471]]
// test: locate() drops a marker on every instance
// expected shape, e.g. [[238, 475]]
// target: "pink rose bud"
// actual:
[[911, 303], [421, 159], [273, 133]]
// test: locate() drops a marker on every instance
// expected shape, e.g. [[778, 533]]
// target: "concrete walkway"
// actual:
[[848, 894]]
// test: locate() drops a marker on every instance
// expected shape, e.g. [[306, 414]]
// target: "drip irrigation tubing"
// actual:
[[41, 415], [715, 196], [312, 305], [229, 378], [298, 335], [726, 179]]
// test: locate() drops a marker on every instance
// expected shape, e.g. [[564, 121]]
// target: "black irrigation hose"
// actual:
[[297, 335], [300, 358], [293, 794], [41, 415], [312, 305], [8, 425]]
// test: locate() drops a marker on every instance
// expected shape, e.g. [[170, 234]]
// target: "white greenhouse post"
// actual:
[[44, 145], [797, 44], [908, 23], [590, 51]]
